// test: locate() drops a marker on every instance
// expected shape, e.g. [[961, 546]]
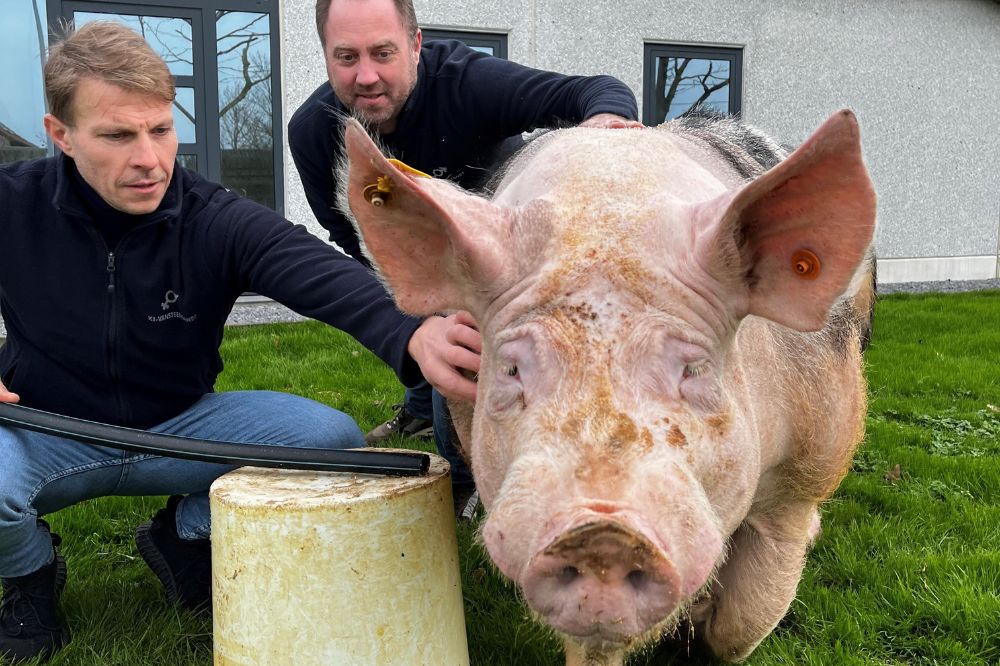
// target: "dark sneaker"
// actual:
[[30, 625], [403, 423], [184, 566], [466, 499]]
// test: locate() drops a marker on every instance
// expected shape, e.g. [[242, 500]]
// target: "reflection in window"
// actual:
[[169, 37], [23, 40], [188, 161], [184, 115], [244, 66], [684, 83], [486, 42], [678, 79]]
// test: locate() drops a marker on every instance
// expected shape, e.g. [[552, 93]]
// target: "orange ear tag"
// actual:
[[806, 264], [379, 192]]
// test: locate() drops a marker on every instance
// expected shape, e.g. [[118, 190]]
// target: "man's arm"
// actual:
[[518, 98], [314, 141], [264, 253]]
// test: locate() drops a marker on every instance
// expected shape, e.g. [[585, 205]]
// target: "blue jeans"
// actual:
[[426, 403], [41, 474], [461, 475], [418, 401]]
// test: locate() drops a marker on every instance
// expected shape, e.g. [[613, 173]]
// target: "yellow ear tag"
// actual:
[[406, 168], [379, 192]]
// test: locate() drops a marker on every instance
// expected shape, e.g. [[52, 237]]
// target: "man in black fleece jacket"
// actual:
[[118, 270], [442, 108]]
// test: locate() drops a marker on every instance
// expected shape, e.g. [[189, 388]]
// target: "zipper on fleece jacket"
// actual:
[[113, 334]]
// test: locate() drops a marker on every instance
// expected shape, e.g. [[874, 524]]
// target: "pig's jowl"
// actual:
[[671, 379]]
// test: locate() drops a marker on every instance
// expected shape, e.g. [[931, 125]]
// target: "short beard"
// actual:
[[375, 119]]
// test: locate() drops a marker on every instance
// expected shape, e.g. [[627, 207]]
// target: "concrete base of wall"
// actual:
[[936, 269]]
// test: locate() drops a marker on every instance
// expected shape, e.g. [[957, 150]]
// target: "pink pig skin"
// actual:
[[671, 377]]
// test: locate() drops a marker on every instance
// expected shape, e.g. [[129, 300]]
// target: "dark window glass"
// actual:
[[185, 120], [487, 42], [23, 40], [188, 161], [170, 37], [676, 79], [246, 136]]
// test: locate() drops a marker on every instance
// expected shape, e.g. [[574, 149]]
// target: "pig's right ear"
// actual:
[[795, 237], [408, 224]]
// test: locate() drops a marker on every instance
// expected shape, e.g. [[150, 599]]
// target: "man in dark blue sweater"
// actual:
[[440, 107], [118, 270]]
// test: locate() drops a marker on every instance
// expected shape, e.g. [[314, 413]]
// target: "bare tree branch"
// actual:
[[248, 82]]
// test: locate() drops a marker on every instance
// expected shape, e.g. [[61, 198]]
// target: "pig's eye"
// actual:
[[693, 370], [698, 388], [506, 394]]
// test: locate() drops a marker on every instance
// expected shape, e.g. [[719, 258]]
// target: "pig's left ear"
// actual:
[[800, 231], [436, 246]]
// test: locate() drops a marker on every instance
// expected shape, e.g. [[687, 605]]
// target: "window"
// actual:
[[487, 42], [23, 40], [677, 78], [224, 58]]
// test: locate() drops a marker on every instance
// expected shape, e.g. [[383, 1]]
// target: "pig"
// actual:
[[671, 383]]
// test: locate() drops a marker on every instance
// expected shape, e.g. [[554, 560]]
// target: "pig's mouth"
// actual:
[[602, 581]]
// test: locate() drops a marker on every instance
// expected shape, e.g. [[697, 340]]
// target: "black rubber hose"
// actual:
[[389, 463]]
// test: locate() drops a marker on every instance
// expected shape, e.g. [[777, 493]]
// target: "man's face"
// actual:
[[371, 63], [123, 144]]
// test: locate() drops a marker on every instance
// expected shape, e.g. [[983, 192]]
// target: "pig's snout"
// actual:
[[602, 581]]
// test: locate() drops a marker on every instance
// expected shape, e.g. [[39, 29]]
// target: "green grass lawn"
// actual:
[[907, 570]]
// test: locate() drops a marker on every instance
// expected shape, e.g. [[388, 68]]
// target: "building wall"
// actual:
[[920, 74]]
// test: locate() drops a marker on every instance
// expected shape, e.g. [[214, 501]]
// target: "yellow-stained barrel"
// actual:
[[324, 569]]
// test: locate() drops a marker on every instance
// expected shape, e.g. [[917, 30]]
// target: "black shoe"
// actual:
[[30, 625], [466, 499], [184, 566], [403, 423]]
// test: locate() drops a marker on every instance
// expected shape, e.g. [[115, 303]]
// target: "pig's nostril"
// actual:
[[568, 575], [638, 579]]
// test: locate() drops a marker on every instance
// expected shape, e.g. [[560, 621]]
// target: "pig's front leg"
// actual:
[[756, 585]]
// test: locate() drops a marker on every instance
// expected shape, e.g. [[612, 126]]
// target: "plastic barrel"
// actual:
[[328, 569]]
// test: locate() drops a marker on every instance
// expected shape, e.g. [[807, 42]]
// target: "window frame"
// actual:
[[495, 40], [652, 51], [207, 146]]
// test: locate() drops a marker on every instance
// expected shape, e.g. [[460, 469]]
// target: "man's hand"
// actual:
[[443, 347], [610, 121], [7, 396]]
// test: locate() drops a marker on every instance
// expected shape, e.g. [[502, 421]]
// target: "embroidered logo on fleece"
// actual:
[[169, 299]]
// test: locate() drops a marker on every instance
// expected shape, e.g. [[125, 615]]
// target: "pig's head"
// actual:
[[613, 442]]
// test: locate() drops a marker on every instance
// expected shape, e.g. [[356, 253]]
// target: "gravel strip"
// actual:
[[260, 310], [248, 310], [945, 286]]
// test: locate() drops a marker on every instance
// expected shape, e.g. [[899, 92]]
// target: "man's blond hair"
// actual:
[[110, 52]]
